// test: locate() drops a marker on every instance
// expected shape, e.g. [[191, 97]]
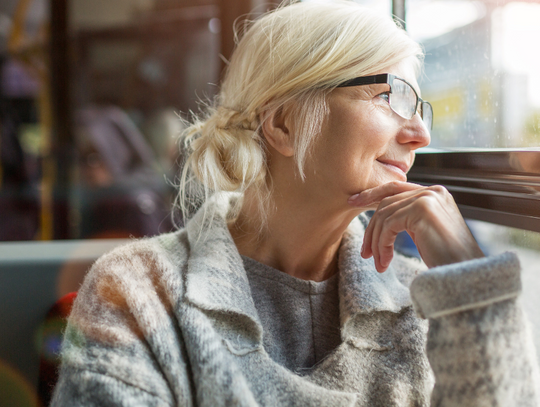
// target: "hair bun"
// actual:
[[226, 150]]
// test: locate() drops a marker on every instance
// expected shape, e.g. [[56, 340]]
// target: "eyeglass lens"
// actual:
[[403, 101], [427, 114]]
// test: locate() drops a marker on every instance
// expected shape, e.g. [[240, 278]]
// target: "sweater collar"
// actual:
[[363, 290], [217, 282]]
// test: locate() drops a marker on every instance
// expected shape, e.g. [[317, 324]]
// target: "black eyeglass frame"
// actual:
[[388, 78]]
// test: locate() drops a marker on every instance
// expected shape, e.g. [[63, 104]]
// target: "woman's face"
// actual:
[[364, 143]]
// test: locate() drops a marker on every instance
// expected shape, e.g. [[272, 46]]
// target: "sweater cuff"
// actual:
[[467, 285]]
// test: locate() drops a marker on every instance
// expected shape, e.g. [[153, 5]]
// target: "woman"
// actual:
[[276, 292]]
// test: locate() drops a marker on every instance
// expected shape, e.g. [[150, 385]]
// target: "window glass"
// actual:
[[480, 74], [496, 239]]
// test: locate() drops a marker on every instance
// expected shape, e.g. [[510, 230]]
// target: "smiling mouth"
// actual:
[[398, 168]]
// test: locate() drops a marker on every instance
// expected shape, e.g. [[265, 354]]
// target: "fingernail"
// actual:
[[353, 198]]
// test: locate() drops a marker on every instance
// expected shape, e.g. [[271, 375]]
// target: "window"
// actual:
[[483, 83], [480, 76]]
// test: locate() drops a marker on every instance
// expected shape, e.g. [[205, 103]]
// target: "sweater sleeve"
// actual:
[[87, 388], [121, 345], [479, 343]]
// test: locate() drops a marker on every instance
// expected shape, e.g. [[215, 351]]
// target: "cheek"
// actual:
[[350, 142], [364, 128]]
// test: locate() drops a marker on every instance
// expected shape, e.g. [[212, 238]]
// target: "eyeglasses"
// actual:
[[402, 99]]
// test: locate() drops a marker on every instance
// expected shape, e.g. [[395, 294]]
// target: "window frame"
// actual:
[[487, 185]]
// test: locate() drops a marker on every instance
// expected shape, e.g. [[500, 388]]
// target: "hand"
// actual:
[[428, 214]]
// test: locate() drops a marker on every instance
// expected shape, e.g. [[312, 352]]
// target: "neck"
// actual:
[[299, 238]]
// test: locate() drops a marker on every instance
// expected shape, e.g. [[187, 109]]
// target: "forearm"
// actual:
[[479, 345]]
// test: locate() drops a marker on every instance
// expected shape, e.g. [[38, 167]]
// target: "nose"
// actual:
[[414, 133]]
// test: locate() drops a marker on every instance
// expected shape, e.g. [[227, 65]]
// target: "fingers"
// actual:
[[428, 214], [383, 229], [377, 194], [384, 238], [415, 209], [385, 209]]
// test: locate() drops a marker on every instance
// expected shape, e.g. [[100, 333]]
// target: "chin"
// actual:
[[392, 178]]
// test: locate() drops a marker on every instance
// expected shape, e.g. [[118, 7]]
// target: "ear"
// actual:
[[277, 134]]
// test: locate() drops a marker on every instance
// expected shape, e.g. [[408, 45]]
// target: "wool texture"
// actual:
[[479, 344], [171, 321], [300, 318]]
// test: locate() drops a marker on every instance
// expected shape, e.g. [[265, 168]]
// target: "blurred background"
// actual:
[[91, 99], [91, 96]]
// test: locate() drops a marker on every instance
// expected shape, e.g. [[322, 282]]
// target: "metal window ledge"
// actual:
[[501, 187]]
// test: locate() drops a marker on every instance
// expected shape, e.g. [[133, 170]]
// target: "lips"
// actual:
[[398, 167]]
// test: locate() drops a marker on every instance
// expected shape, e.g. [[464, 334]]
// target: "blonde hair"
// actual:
[[291, 57]]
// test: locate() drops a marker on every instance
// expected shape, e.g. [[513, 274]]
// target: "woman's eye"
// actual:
[[385, 96]]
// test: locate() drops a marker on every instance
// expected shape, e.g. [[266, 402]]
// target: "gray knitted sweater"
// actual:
[[299, 318], [170, 321]]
